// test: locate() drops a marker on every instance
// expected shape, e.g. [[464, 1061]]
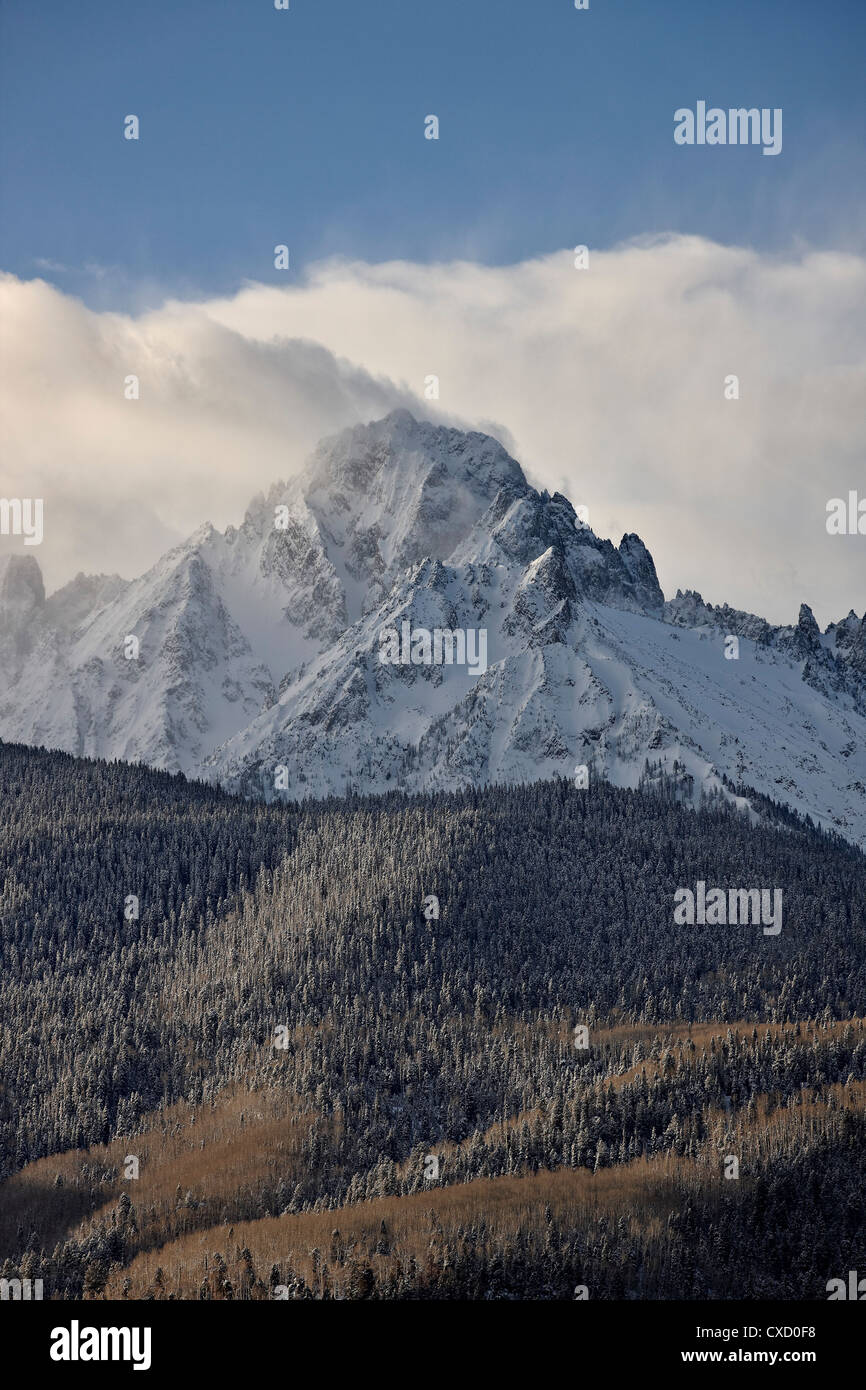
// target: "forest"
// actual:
[[344, 1042]]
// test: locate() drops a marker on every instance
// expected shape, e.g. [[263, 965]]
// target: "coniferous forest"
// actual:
[[427, 1047]]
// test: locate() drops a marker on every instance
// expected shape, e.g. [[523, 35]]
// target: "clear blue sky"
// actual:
[[306, 127]]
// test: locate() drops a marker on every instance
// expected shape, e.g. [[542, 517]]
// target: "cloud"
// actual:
[[607, 383], [218, 418]]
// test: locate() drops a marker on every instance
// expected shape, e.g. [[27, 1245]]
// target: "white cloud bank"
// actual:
[[607, 383]]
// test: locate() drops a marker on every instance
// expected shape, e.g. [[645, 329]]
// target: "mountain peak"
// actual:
[[21, 586], [361, 456], [641, 568], [807, 624]]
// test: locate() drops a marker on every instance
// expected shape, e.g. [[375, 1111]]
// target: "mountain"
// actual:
[[259, 650]]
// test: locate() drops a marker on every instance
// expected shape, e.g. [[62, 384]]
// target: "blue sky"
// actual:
[[306, 127]]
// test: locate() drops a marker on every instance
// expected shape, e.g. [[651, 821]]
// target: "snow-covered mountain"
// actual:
[[258, 650]]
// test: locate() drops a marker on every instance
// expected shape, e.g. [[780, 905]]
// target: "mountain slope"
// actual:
[[281, 1035]]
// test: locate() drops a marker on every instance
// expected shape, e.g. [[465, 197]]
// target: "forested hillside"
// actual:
[[339, 1038]]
